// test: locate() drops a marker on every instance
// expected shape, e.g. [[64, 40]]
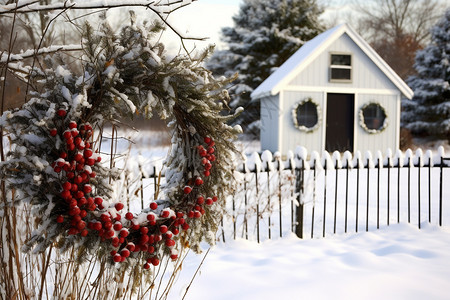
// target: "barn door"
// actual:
[[340, 122]]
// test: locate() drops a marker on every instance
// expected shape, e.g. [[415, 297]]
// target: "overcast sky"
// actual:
[[205, 18]]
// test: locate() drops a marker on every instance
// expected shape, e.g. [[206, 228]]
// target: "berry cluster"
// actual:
[[74, 165]]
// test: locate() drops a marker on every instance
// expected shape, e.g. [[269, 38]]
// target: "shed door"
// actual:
[[340, 122]]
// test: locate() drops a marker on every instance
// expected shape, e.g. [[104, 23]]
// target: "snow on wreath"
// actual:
[[54, 163]]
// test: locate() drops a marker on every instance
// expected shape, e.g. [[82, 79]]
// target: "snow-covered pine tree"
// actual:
[[428, 113], [265, 34]]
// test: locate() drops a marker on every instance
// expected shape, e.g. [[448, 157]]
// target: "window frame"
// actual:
[[294, 115], [340, 67], [362, 122]]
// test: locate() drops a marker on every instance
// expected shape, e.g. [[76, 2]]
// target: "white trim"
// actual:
[[340, 90]]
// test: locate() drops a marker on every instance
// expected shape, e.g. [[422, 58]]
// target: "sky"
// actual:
[[205, 18]]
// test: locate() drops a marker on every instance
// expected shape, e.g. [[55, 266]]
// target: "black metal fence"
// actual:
[[314, 195]]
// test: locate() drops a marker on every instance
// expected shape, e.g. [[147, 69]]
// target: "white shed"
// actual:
[[334, 93]]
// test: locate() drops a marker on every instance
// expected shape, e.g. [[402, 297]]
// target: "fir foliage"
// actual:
[[265, 34], [428, 113]]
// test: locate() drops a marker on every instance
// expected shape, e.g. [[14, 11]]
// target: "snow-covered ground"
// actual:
[[396, 262]]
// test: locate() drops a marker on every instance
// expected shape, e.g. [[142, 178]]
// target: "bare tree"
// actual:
[[396, 29]]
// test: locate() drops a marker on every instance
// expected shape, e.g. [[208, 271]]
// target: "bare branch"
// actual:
[[157, 6]]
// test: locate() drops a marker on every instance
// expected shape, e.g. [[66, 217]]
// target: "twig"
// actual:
[[195, 274]]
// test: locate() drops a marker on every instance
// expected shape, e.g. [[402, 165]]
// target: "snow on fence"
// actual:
[[318, 195]]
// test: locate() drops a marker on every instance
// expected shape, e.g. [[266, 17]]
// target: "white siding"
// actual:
[[388, 138], [270, 120], [293, 137], [365, 74]]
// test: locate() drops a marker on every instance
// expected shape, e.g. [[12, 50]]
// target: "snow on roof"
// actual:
[[310, 50]]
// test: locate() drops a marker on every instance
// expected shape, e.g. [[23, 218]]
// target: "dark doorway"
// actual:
[[340, 122]]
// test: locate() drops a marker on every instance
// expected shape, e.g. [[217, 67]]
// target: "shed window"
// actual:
[[306, 115], [373, 117], [341, 67]]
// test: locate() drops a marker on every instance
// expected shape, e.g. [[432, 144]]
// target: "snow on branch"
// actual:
[[32, 52]]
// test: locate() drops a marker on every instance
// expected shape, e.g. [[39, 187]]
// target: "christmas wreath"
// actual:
[[55, 166]]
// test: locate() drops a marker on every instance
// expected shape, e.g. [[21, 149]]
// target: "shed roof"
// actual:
[[311, 49]]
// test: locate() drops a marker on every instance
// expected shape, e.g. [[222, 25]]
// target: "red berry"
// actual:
[[72, 124], [65, 194], [131, 247], [175, 231], [63, 155], [146, 266], [81, 225], [214, 199], [212, 157], [67, 135], [117, 258], [90, 161], [165, 214], [206, 173], [87, 153], [170, 243], [84, 232], [87, 189], [144, 230], [118, 206], [212, 144], [187, 189], [200, 200], [151, 217], [97, 226], [202, 152], [207, 139], [117, 226], [190, 214], [208, 166], [163, 229], [155, 261], [209, 201], [53, 132], [197, 214], [125, 252], [185, 226], [129, 216], [174, 256], [198, 181], [59, 219], [67, 186], [98, 200], [61, 113], [153, 205], [210, 150]]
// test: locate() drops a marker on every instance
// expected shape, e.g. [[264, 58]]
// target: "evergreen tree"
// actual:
[[428, 113], [266, 33]]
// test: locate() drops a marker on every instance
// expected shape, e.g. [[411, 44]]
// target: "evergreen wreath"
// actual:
[[55, 166]]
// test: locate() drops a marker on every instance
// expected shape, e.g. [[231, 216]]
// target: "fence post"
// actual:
[[299, 189]]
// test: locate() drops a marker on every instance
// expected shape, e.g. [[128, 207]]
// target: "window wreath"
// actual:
[[373, 117], [306, 115]]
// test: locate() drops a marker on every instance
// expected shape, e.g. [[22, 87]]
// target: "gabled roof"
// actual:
[[313, 48]]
